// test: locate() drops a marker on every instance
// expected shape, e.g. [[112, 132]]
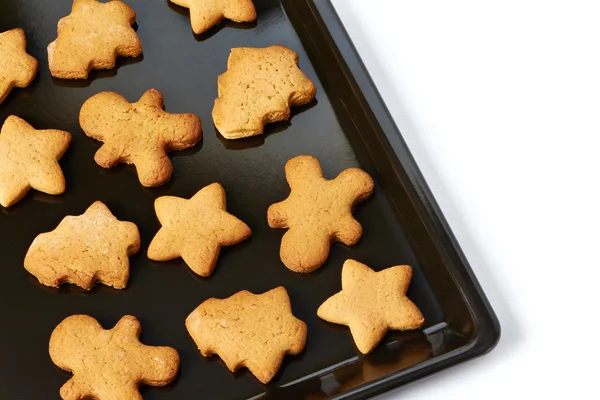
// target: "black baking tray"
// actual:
[[346, 126]]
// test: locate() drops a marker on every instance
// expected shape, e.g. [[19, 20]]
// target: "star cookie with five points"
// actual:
[[17, 68], [372, 302], [29, 159], [196, 229], [204, 14]]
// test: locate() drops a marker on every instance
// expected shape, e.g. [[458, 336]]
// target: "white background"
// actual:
[[499, 102]]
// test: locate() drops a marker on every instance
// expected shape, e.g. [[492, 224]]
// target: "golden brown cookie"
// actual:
[[196, 229], [17, 68], [138, 133], [29, 159], [248, 330], [259, 87], [372, 302], [205, 14], [109, 364], [93, 247], [317, 211], [92, 37]]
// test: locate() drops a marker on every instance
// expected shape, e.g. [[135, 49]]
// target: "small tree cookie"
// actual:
[[372, 302], [205, 14], [248, 330], [196, 229], [17, 68], [29, 159], [259, 87], [92, 37], [317, 212], [138, 133], [109, 364], [85, 249]]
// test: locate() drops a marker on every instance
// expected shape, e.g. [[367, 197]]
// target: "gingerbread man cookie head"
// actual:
[[108, 364], [17, 68], [92, 37], [259, 87], [317, 212]]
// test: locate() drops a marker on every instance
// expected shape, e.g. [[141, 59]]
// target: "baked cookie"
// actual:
[[317, 211], [92, 37], [17, 68], [372, 302], [108, 364], [138, 133], [259, 87], [205, 14], [196, 229], [29, 159], [93, 247], [248, 330]]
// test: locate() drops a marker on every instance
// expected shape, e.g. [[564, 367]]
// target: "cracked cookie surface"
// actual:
[[138, 133], [108, 364], [85, 249], [259, 87]]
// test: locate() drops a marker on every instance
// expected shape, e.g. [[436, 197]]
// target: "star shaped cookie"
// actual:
[[17, 68], [29, 159], [85, 249], [259, 87], [248, 330], [92, 37], [196, 229], [317, 211], [138, 133], [108, 364], [372, 302], [205, 14]]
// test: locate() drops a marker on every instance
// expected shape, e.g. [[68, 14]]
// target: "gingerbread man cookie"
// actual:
[[109, 364], [196, 229], [17, 68], [205, 14], [92, 37], [138, 133], [248, 330], [91, 247], [29, 159], [259, 87], [372, 302], [317, 212]]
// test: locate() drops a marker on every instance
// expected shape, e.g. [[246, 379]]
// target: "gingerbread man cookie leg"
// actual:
[[108, 364], [92, 37], [17, 68], [317, 212], [372, 302]]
